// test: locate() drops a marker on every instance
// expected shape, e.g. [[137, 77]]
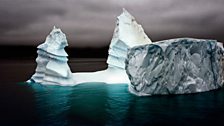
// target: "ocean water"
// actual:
[[98, 104]]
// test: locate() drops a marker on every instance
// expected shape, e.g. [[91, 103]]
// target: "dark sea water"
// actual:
[[97, 103]]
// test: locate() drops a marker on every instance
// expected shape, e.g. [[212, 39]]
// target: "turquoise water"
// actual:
[[102, 104], [97, 104]]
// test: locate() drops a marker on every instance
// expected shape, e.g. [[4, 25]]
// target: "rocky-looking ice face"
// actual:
[[176, 66]]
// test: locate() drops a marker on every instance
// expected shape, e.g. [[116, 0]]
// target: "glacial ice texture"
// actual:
[[176, 66]]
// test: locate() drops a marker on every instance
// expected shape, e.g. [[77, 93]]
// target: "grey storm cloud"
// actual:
[[91, 22]]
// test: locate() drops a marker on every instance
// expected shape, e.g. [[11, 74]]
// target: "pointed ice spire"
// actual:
[[126, 16], [55, 43], [129, 31]]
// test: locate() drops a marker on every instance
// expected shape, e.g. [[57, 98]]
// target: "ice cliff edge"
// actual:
[[176, 66]]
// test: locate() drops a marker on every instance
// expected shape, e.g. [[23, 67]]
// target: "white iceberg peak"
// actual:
[[126, 16], [129, 31], [55, 43]]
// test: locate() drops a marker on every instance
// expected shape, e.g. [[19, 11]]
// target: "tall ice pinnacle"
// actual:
[[52, 67], [128, 33]]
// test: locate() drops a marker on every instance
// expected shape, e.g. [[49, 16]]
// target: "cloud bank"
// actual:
[[91, 23]]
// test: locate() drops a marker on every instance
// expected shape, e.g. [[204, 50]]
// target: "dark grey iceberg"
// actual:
[[176, 66]]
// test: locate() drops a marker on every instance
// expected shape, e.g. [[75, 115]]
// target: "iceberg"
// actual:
[[176, 66], [52, 67]]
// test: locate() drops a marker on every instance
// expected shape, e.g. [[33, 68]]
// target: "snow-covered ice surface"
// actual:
[[176, 66], [52, 67]]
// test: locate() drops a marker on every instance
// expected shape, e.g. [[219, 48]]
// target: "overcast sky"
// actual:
[[91, 22]]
